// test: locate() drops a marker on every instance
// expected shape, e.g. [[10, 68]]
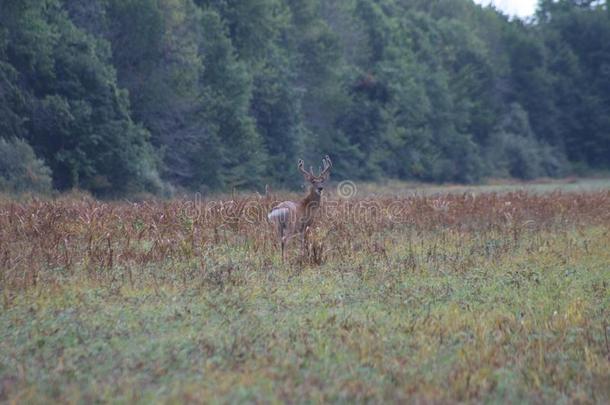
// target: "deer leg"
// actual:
[[303, 240], [282, 240]]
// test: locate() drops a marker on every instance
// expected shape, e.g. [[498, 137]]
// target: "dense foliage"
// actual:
[[122, 96]]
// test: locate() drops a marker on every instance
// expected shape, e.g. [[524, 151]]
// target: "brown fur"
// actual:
[[295, 217]]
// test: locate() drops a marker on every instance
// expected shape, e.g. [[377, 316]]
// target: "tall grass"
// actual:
[[54, 241]]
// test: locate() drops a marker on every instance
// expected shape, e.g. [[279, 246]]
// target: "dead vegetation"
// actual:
[[54, 241]]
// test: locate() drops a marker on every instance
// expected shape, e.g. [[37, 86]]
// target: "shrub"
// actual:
[[514, 151], [20, 170]]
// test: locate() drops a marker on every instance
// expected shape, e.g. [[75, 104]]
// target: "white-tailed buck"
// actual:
[[293, 218]]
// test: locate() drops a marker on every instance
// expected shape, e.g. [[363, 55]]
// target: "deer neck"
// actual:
[[311, 201]]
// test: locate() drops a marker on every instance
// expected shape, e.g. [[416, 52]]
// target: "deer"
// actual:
[[294, 218]]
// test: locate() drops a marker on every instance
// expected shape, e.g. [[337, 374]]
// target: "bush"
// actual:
[[513, 150], [20, 170], [511, 155]]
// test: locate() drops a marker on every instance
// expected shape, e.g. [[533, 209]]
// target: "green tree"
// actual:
[[577, 34], [77, 118]]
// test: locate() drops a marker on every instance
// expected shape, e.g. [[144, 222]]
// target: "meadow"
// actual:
[[467, 295]]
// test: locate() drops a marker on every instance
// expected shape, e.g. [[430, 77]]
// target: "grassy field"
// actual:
[[539, 186], [449, 296]]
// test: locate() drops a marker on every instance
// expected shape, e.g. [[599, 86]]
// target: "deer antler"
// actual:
[[308, 176], [327, 165]]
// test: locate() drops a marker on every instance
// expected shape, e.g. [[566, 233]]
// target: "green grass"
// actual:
[[441, 318]]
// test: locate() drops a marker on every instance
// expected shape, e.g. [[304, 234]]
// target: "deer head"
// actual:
[[317, 182]]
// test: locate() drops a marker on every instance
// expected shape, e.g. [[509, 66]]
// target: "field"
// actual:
[[471, 295]]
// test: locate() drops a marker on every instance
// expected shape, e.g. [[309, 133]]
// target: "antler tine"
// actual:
[[327, 165], [328, 161], [308, 176]]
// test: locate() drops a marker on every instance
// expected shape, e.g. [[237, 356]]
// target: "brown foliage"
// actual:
[[51, 241]]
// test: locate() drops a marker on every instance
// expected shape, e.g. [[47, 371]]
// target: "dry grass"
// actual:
[[53, 241]]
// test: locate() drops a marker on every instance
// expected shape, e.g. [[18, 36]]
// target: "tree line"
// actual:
[[123, 96]]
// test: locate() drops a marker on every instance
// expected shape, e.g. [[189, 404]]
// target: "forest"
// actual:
[[153, 96]]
